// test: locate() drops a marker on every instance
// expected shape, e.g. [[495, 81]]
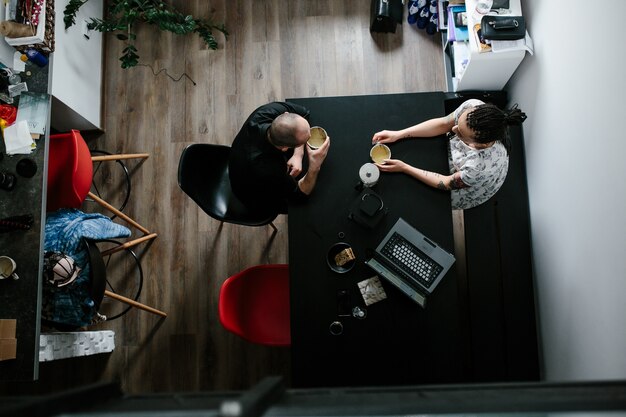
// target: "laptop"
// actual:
[[410, 261]]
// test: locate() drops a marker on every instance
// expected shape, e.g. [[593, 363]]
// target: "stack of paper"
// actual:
[[30, 123], [524, 44], [33, 108], [17, 139]]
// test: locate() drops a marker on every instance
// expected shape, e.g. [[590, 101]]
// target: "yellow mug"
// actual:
[[318, 137], [380, 152]]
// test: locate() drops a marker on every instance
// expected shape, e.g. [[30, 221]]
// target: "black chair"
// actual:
[[107, 282], [102, 284], [203, 176]]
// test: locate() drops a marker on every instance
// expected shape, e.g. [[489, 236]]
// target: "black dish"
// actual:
[[330, 258]]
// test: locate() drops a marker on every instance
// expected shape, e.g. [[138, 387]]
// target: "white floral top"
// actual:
[[482, 170]]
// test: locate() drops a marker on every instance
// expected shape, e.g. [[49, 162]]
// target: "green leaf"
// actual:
[[122, 15], [71, 9], [129, 57]]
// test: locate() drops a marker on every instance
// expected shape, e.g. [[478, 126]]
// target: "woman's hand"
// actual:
[[386, 136], [433, 179], [393, 165]]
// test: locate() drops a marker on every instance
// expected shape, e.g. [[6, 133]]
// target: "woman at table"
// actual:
[[478, 155]]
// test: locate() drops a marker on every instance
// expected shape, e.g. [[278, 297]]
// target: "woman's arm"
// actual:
[[427, 129], [442, 182]]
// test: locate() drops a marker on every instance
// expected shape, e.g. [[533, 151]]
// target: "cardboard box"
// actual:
[[7, 328], [8, 349], [8, 342], [38, 37]]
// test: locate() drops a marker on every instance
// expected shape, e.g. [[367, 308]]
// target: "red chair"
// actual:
[[254, 304], [70, 174], [70, 171]]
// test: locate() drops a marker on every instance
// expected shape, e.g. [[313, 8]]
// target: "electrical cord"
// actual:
[[155, 73]]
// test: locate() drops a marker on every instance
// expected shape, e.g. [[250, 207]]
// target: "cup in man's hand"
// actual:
[[318, 137]]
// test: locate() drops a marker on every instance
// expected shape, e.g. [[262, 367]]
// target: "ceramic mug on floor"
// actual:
[[7, 268]]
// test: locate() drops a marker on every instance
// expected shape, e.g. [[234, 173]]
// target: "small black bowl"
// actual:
[[330, 258], [26, 167]]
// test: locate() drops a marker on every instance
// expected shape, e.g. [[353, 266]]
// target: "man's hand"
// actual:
[[294, 165], [317, 156]]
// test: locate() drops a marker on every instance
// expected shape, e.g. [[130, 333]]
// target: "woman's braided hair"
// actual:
[[490, 123]]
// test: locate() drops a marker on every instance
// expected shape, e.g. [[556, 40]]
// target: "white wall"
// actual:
[[573, 90], [77, 70]]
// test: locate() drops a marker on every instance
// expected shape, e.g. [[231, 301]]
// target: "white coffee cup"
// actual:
[[7, 268]]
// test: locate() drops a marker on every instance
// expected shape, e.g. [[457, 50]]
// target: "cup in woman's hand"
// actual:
[[379, 153]]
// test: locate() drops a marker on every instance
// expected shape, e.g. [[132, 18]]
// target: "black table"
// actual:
[[398, 342], [21, 300]]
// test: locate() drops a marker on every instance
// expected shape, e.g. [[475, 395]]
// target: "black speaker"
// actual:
[[386, 14]]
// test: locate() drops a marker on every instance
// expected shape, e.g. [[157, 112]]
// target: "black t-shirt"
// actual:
[[258, 171]]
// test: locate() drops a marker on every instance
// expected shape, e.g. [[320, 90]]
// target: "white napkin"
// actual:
[[17, 139], [372, 290]]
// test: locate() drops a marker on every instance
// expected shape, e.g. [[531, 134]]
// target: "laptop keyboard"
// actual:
[[410, 261]]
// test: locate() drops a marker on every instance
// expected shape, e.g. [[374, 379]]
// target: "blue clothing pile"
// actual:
[[64, 232], [423, 14]]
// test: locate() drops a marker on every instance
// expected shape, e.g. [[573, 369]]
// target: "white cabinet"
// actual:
[[76, 67], [474, 70]]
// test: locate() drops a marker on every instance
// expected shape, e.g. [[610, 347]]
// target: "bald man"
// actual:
[[266, 160]]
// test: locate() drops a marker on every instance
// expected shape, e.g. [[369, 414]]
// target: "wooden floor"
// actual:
[[277, 49]]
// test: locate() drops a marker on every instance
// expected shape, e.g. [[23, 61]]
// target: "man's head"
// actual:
[[288, 131]]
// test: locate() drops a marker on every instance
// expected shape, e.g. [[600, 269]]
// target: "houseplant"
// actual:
[[122, 15]]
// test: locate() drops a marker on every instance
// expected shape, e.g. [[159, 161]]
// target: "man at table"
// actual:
[[478, 154], [266, 159]]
